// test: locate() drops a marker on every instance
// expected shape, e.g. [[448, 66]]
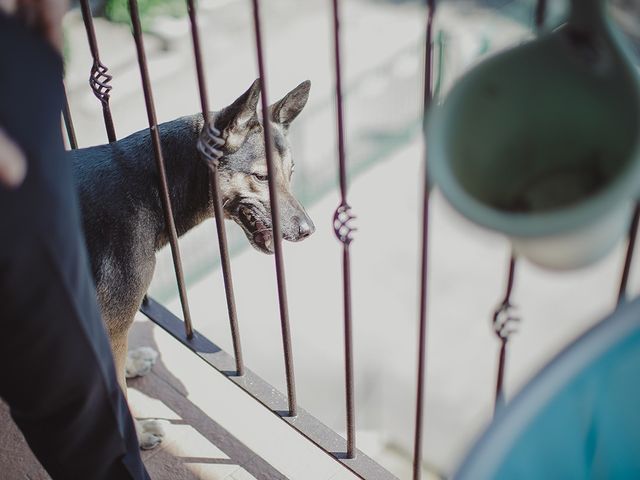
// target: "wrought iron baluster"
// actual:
[[99, 79], [68, 122], [424, 250], [275, 216], [504, 324], [343, 228], [633, 234], [157, 149], [504, 321], [208, 146]]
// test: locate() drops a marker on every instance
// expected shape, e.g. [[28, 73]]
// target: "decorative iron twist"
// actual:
[[505, 321], [342, 225], [208, 144], [99, 81]]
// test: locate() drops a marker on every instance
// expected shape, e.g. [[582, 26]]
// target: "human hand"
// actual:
[[44, 16], [13, 164]]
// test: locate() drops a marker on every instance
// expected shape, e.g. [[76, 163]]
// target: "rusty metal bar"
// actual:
[[344, 229], [99, 77], [208, 144], [424, 251], [275, 217], [504, 324], [157, 149], [633, 234], [68, 122]]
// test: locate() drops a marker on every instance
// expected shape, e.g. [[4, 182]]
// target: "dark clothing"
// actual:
[[56, 368]]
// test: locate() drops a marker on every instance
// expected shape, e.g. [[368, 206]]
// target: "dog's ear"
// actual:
[[288, 108], [236, 120]]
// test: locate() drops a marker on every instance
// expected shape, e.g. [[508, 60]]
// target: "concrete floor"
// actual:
[[196, 447], [468, 267], [213, 430]]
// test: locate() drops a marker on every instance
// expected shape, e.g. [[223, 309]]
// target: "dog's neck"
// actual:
[[187, 178], [123, 176]]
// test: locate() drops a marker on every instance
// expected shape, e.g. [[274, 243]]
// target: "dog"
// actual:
[[123, 219]]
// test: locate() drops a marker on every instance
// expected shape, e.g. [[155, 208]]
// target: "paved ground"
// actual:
[[468, 268]]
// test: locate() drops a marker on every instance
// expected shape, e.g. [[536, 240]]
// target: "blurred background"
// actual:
[[383, 67]]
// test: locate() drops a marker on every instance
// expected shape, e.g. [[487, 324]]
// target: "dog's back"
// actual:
[[122, 215]]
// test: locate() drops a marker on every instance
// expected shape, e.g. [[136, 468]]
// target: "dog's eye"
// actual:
[[262, 177]]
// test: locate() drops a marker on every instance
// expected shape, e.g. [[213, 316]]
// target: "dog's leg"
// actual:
[[119, 344], [150, 432]]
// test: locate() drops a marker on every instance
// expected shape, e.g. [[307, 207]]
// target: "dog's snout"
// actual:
[[305, 227]]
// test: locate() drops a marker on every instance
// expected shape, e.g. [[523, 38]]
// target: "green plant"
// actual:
[[118, 10]]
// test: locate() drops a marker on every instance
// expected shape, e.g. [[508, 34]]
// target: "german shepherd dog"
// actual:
[[123, 218]]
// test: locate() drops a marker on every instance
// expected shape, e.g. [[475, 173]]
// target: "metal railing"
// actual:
[[424, 250], [208, 146], [344, 229], [275, 219], [285, 406]]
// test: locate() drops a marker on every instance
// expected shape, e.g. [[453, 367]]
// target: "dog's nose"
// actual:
[[305, 228]]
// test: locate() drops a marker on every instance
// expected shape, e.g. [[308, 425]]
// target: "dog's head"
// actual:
[[243, 168]]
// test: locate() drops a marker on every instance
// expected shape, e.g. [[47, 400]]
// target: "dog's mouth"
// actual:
[[257, 229]]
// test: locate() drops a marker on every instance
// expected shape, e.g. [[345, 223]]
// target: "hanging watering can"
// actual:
[[542, 142]]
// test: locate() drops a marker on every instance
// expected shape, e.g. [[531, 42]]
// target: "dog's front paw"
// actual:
[[150, 433], [140, 361]]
